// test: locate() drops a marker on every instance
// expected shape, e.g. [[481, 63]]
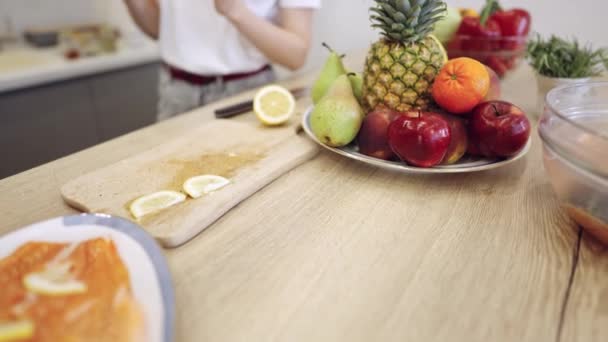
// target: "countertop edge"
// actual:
[[87, 66]]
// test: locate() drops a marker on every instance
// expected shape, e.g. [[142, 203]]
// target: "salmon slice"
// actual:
[[107, 311]]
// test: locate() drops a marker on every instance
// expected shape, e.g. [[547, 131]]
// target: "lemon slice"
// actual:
[[202, 185], [274, 105], [55, 280], [12, 331], [147, 204], [40, 284]]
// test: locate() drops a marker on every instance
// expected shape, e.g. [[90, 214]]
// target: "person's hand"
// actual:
[[231, 9]]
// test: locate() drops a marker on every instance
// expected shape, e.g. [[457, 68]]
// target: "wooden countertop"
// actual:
[[340, 251]]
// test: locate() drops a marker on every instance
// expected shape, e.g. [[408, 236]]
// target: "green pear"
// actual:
[[356, 81], [331, 70], [337, 118], [448, 25]]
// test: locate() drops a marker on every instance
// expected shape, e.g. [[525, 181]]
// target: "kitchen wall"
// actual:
[[343, 24], [51, 13], [48, 13]]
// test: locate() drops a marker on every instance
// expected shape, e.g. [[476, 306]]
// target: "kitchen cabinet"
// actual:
[[125, 101], [47, 122]]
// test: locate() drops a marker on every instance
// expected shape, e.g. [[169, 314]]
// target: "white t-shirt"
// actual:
[[195, 38]]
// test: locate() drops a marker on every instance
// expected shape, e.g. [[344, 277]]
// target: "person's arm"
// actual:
[[146, 14], [286, 43]]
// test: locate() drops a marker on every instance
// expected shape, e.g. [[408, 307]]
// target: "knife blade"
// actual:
[[247, 106]]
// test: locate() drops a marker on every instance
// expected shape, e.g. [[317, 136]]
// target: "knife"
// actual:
[[247, 106]]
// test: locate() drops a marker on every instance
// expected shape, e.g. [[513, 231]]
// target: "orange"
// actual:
[[461, 85]]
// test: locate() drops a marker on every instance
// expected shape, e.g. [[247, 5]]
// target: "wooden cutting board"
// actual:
[[251, 156]]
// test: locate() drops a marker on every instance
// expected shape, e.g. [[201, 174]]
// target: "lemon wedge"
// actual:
[[274, 105], [160, 200], [205, 184], [54, 280], [12, 331]]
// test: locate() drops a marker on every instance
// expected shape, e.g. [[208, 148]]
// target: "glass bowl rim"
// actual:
[[483, 53], [574, 163], [564, 117], [493, 38]]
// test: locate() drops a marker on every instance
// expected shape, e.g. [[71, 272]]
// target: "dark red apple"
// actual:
[[498, 129], [421, 140], [373, 136], [473, 147]]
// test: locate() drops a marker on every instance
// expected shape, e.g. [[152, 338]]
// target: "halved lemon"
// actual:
[[14, 331], [204, 184], [160, 200], [55, 280], [274, 105]]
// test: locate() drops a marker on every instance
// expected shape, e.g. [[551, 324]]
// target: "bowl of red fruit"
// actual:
[[502, 54], [497, 38], [574, 131]]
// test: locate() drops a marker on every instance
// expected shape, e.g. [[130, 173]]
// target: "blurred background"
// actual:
[[102, 82], [344, 23]]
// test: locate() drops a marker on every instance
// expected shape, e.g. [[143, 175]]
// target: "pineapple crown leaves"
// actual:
[[406, 20]]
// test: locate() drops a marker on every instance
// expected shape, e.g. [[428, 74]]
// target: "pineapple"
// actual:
[[400, 68]]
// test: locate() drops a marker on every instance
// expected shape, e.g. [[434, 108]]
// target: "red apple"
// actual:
[[373, 136], [498, 129], [473, 147], [422, 140], [460, 139], [494, 91], [459, 142]]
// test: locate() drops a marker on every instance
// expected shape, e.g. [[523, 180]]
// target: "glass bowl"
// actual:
[[502, 54], [574, 132]]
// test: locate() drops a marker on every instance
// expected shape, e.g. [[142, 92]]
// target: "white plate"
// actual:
[[148, 271], [466, 164]]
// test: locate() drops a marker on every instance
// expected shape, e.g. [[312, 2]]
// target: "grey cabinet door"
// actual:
[[41, 124], [125, 100]]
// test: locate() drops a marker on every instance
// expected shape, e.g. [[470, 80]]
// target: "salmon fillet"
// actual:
[[107, 311]]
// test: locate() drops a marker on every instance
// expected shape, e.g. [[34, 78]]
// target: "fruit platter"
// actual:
[[465, 164], [412, 109]]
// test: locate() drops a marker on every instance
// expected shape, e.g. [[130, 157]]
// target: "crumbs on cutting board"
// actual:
[[225, 164], [221, 164]]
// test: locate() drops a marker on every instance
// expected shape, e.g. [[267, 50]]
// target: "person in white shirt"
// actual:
[[215, 48]]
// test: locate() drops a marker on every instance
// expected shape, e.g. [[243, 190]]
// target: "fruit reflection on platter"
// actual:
[[68, 292], [412, 104]]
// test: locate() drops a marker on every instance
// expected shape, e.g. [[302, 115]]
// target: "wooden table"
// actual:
[[340, 251]]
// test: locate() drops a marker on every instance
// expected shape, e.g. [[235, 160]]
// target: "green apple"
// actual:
[[446, 27]]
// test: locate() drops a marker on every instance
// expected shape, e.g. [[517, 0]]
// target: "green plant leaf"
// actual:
[[558, 57]]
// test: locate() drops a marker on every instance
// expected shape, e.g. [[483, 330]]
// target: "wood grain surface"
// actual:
[[249, 155], [586, 311], [380, 257], [335, 250]]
